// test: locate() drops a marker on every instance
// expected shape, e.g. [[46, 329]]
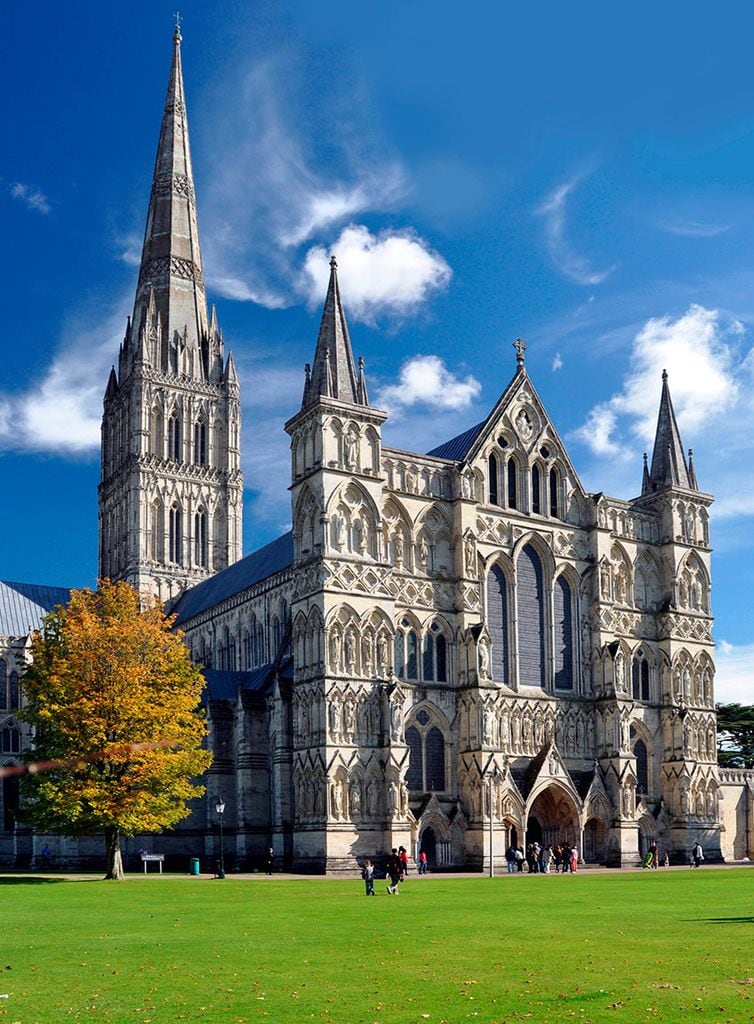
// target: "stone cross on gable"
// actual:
[[520, 348]]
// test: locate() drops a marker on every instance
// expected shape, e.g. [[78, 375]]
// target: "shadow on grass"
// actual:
[[749, 919], [41, 879]]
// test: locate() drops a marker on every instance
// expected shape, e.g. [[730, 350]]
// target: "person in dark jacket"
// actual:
[[393, 871]]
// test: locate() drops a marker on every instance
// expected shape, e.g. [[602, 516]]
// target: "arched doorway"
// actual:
[[595, 836], [555, 815], [534, 833], [428, 843]]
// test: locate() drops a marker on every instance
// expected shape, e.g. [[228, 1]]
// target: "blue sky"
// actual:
[[581, 176]]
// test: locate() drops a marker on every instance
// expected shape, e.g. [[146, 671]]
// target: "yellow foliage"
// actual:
[[112, 692]]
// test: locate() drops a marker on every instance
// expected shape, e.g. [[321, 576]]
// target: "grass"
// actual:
[[661, 946]]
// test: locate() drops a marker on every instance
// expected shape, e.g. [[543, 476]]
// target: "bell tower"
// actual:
[[171, 489]]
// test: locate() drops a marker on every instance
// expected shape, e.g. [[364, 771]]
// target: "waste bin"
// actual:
[[194, 869]]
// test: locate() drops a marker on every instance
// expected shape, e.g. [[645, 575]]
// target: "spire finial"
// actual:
[[177, 34], [333, 263], [664, 375], [520, 348], [645, 460]]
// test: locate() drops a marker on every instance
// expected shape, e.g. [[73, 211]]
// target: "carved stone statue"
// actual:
[[524, 426], [339, 530], [350, 652], [469, 548], [382, 654], [605, 582], [336, 799], [368, 656], [373, 798], [484, 658], [424, 554], [355, 798], [620, 673], [398, 547], [335, 650], [348, 718], [360, 536], [396, 720], [334, 714], [465, 485], [349, 451], [488, 727]]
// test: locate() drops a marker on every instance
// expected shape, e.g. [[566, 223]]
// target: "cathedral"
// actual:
[[454, 651]]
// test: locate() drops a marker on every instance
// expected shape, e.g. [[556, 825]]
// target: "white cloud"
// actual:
[[553, 211], [264, 199], [63, 412], [31, 197], [734, 675], [557, 362], [693, 228], [696, 352], [129, 249], [393, 272], [425, 380]]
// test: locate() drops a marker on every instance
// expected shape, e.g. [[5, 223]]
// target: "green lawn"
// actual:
[[660, 946]]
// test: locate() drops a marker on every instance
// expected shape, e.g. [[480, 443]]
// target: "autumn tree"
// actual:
[[114, 701]]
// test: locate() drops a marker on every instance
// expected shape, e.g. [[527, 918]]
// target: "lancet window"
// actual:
[[640, 676], [531, 618], [426, 764]]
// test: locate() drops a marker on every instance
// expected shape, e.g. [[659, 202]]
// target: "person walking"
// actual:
[[393, 871], [367, 873], [423, 862], [403, 856], [510, 859], [697, 855], [574, 860]]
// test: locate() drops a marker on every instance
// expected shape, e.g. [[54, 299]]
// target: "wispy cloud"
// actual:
[[426, 381], [557, 362], [734, 675], [693, 229], [31, 197], [62, 412], [129, 249], [265, 200], [554, 211], [393, 272]]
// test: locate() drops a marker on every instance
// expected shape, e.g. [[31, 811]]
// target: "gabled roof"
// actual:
[[23, 606], [456, 448], [264, 562]]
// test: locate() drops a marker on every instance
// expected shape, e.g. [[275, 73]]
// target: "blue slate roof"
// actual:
[[456, 448], [23, 605], [227, 685], [264, 562]]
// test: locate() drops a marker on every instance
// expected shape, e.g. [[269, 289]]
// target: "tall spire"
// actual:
[[333, 374], [669, 468], [171, 262]]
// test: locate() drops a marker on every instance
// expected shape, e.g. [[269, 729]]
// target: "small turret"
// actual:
[[668, 467], [333, 374]]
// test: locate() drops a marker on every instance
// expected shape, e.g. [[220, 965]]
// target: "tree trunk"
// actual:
[[114, 859]]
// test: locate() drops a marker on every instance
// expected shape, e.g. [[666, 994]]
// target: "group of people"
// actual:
[[541, 859], [396, 870]]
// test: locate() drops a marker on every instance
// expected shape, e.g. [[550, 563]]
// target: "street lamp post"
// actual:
[[493, 775], [220, 808]]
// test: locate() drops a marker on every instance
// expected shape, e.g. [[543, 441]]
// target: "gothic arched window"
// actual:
[[640, 676], [426, 745], [157, 532], [415, 773], [554, 494], [512, 473], [200, 443], [531, 618], [10, 740], [642, 767], [497, 622], [536, 491], [175, 553], [412, 655], [563, 613], [434, 655], [200, 538], [15, 695], [175, 448], [494, 483]]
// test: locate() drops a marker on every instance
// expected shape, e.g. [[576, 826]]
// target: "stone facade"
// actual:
[[454, 651]]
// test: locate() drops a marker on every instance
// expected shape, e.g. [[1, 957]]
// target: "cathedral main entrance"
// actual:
[[553, 818]]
